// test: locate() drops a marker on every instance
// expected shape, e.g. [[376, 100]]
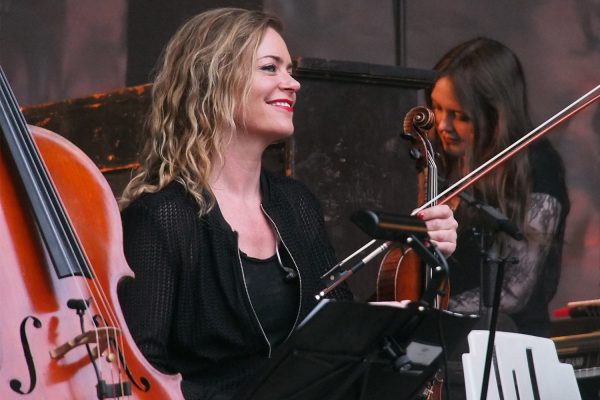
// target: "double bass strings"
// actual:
[[58, 233]]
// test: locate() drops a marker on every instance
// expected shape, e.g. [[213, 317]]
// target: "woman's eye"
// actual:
[[269, 68], [462, 117]]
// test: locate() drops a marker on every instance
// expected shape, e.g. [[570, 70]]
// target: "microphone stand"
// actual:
[[491, 272], [497, 264]]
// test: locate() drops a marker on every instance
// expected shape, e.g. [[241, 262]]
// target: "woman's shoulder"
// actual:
[[171, 203], [290, 188], [548, 171], [544, 156]]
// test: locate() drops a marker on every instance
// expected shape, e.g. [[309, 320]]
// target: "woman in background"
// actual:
[[480, 105]]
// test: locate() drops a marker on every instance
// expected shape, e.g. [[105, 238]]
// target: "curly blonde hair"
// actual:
[[203, 80]]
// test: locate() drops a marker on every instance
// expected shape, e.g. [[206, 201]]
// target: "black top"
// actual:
[[273, 296], [540, 268], [188, 307]]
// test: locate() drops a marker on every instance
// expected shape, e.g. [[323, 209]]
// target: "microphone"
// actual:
[[334, 278], [290, 273]]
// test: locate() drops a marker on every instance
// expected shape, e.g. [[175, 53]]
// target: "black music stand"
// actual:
[[354, 351]]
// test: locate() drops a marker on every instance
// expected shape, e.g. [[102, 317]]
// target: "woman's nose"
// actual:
[[290, 83], [443, 122]]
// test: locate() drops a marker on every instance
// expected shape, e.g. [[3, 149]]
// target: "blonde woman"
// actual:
[[227, 257]]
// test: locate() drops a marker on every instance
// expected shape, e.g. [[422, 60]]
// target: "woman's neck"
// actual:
[[235, 183], [238, 173]]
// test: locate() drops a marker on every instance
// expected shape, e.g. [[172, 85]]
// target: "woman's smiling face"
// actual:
[[270, 105]]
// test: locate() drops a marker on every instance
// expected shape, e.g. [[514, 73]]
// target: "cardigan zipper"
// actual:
[[250, 302], [295, 266]]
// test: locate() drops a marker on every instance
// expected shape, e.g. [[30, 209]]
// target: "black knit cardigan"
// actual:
[[187, 308]]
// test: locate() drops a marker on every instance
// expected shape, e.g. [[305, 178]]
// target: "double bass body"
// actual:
[[45, 352]]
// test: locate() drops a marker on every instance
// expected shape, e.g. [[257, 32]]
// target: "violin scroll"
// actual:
[[420, 119], [417, 122]]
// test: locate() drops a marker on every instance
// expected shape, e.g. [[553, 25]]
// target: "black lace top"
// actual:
[[530, 284]]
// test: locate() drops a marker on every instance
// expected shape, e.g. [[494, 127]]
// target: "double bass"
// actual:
[[63, 335]]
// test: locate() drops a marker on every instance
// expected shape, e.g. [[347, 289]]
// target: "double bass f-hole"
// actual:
[[15, 384]]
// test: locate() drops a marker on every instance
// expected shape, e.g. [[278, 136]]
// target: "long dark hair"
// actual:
[[490, 85]]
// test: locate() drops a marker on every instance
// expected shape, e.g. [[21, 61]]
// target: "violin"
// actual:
[[393, 283], [63, 335], [397, 278], [402, 275], [338, 273]]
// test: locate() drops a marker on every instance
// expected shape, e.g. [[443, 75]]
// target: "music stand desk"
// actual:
[[354, 351]]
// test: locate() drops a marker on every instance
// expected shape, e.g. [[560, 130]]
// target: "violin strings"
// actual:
[[509, 148], [432, 189], [432, 186]]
